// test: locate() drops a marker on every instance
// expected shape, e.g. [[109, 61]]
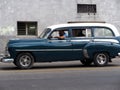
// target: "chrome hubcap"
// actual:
[[101, 59], [25, 60]]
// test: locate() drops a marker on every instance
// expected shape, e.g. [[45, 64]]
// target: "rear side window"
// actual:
[[103, 32], [81, 32]]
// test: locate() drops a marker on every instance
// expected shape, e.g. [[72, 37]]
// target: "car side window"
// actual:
[[81, 32], [60, 34], [103, 32]]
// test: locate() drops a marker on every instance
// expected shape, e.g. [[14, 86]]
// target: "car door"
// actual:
[[80, 37], [58, 49]]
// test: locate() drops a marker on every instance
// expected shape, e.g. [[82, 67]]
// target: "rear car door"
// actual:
[[80, 37]]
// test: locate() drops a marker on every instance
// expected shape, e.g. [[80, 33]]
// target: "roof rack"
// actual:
[[86, 22]]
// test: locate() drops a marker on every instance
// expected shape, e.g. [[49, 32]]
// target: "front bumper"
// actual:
[[6, 59]]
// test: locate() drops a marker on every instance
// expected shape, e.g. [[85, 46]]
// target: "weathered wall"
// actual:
[[49, 12]]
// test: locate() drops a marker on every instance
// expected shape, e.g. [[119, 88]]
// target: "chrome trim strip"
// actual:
[[77, 49], [84, 40], [106, 40], [97, 40], [41, 50]]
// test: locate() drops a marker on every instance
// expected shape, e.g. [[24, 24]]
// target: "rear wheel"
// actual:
[[24, 61], [101, 59], [86, 62]]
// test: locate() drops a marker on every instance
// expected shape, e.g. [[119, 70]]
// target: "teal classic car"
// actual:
[[90, 43]]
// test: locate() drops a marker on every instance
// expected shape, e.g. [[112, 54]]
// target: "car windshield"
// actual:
[[45, 33]]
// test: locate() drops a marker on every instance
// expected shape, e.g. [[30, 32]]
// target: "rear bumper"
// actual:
[[6, 59]]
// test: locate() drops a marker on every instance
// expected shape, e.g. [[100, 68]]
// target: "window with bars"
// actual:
[[86, 8], [27, 28]]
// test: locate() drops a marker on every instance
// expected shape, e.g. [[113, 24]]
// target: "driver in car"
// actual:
[[62, 35]]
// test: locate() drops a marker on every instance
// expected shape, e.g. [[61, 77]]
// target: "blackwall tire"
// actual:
[[24, 61], [101, 59], [86, 62]]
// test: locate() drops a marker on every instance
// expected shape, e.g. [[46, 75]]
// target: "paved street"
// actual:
[[61, 76]]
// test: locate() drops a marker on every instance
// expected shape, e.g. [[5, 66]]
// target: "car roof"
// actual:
[[79, 24], [86, 25]]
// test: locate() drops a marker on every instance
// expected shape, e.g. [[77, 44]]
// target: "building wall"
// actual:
[[49, 12]]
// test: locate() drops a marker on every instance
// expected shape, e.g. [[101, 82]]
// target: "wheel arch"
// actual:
[[101, 52], [26, 52]]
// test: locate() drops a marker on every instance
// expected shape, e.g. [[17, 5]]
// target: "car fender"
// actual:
[[96, 47]]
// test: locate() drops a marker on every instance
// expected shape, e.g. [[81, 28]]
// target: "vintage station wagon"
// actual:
[[90, 43]]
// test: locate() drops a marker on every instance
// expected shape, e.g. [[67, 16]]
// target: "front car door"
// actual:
[[58, 49]]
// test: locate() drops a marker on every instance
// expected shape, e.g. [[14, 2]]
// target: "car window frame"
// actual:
[[45, 33], [93, 29], [82, 27], [58, 29]]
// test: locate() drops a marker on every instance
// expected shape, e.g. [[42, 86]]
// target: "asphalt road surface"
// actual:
[[61, 76]]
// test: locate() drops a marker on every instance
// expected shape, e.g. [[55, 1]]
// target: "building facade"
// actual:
[[28, 18]]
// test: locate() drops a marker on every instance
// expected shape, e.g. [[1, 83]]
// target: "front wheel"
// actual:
[[24, 61], [101, 59]]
